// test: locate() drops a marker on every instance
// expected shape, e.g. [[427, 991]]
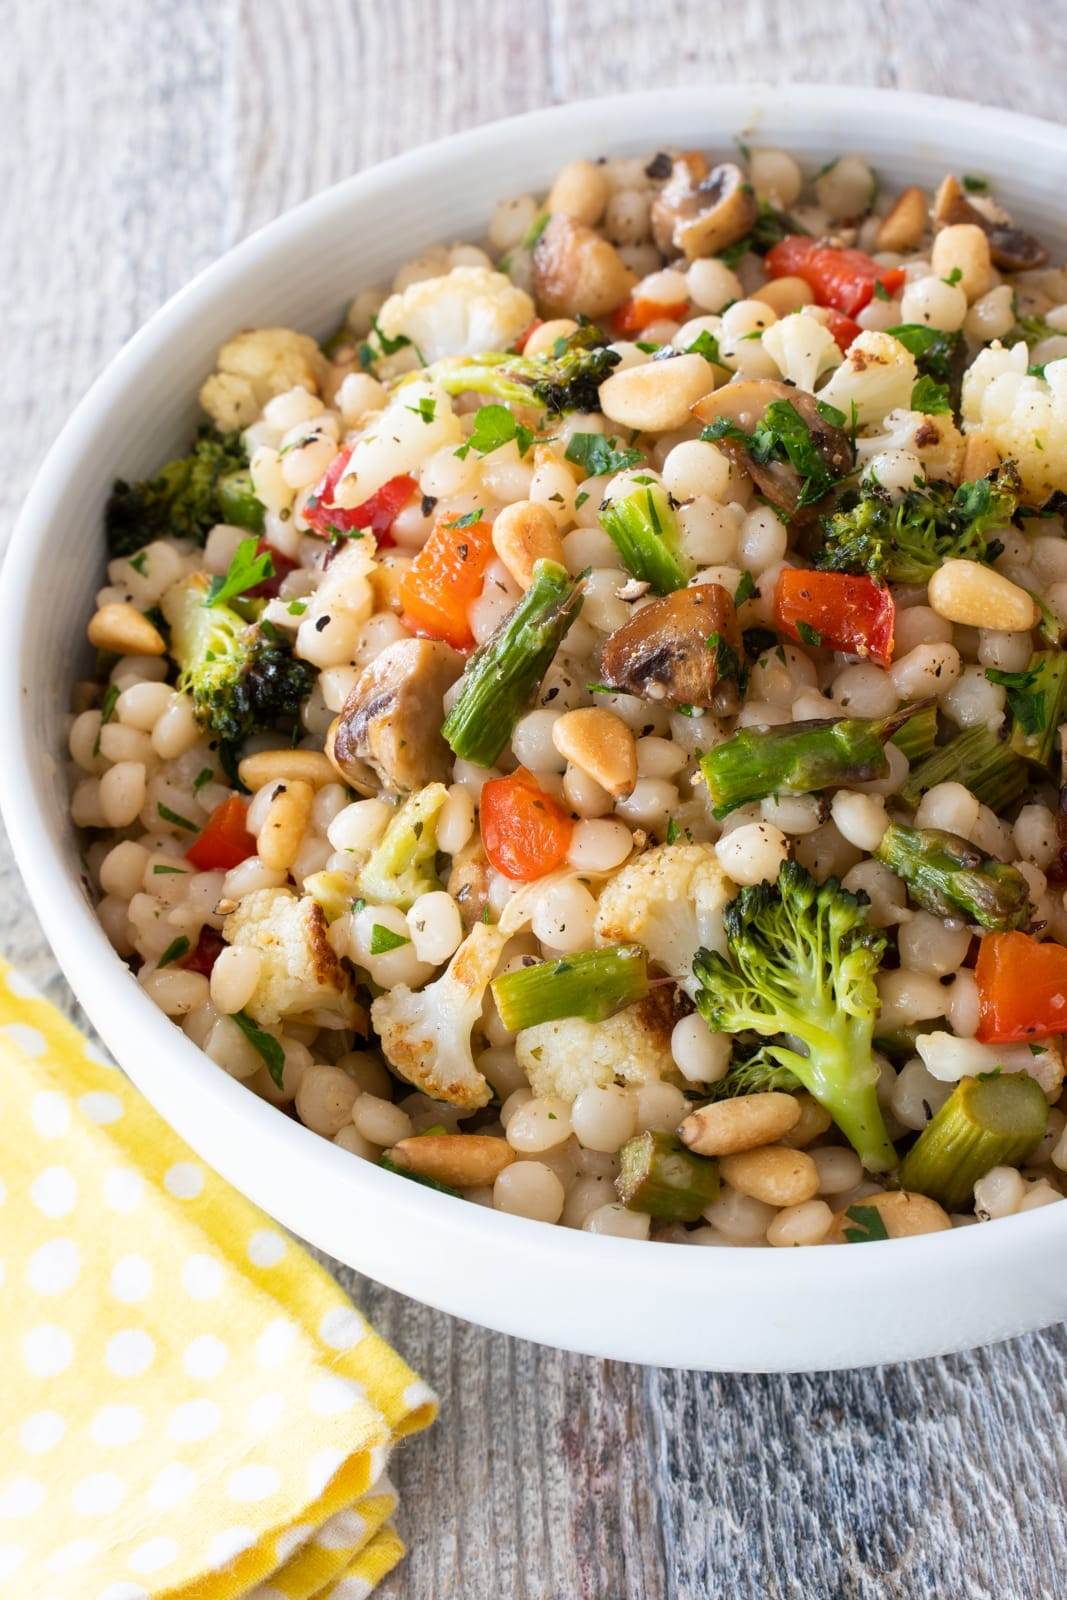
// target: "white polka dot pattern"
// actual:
[[194, 1404]]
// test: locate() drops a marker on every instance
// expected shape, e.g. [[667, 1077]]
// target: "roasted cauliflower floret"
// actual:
[[426, 1035], [934, 438], [468, 310], [877, 376], [671, 900], [300, 973], [1023, 415], [253, 367], [801, 348], [632, 1047]]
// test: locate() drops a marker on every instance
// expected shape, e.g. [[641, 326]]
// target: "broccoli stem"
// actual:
[[1045, 702], [979, 760], [986, 1122], [660, 1177], [644, 530], [918, 736], [949, 876], [593, 984], [797, 758], [238, 503], [500, 679]]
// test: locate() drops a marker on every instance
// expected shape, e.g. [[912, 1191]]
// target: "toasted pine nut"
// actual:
[[905, 225], [523, 533], [601, 744], [542, 340], [903, 1213], [785, 295], [657, 396], [284, 825], [963, 247], [980, 456], [742, 1124], [286, 766], [814, 1121], [125, 631], [978, 597], [385, 580], [773, 1174], [465, 1160]]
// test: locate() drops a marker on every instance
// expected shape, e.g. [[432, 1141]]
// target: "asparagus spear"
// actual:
[[979, 760], [1037, 699], [659, 1176], [593, 984], [238, 503], [949, 876], [502, 677], [986, 1122], [643, 528], [797, 758], [918, 736]]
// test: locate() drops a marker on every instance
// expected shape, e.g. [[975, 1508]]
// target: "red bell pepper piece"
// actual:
[[224, 841], [843, 328], [446, 576], [205, 952], [377, 512], [635, 315], [1022, 988], [525, 832], [527, 334], [841, 278], [845, 613]]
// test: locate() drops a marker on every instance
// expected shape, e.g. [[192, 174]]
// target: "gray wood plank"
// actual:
[[139, 139]]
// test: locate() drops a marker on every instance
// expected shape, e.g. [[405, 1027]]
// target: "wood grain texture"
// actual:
[[140, 138]]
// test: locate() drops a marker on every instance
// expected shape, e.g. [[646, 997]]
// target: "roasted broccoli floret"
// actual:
[[568, 379], [184, 500], [757, 1074], [242, 676], [907, 541], [800, 971], [401, 866]]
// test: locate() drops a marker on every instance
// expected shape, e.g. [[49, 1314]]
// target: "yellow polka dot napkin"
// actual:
[[190, 1406]]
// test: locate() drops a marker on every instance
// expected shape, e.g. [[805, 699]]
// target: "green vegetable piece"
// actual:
[[986, 1122], [867, 1225], [242, 676], [503, 676], [182, 500], [661, 1178], [265, 1043], [644, 530], [756, 1075], [246, 571], [388, 1165], [800, 970], [567, 379], [593, 984], [402, 863], [937, 354], [174, 951], [797, 758], [383, 939], [979, 760], [950, 877], [1037, 700], [918, 736], [238, 504], [598, 456], [782, 435], [494, 427], [331, 890], [900, 1045], [930, 396]]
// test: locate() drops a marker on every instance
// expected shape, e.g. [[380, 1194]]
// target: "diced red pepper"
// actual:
[[843, 328], [377, 512], [445, 578], [205, 952], [282, 564], [525, 832], [1022, 988], [635, 315], [527, 334], [841, 278], [225, 840], [836, 610]]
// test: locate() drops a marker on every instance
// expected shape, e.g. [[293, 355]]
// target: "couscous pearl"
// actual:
[[839, 1169], [563, 917], [949, 806], [599, 845], [804, 1224], [752, 853], [929, 944], [604, 1118], [860, 818], [1036, 835], [915, 625], [712, 285], [917, 1095], [325, 1099], [436, 926], [696, 467], [740, 1217], [649, 804], [122, 869], [531, 742], [660, 1106], [455, 820], [175, 991], [932, 301], [360, 825], [614, 1219], [379, 1121], [929, 669], [234, 978], [529, 1189], [864, 690], [659, 758], [539, 1125], [709, 531], [895, 471], [999, 1193], [908, 997], [142, 705], [122, 793], [762, 542], [584, 795]]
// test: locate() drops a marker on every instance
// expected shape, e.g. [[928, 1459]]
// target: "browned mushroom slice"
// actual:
[[682, 650], [701, 215], [744, 403], [388, 735], [576, 272], [1012, 249]]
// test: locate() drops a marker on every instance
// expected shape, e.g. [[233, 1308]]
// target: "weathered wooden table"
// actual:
[[139, 141]]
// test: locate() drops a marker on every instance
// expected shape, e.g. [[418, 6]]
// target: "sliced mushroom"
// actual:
[[744, 402], [388, 735], [701, 213], [1012, 249], [576, 272], [682, 650]]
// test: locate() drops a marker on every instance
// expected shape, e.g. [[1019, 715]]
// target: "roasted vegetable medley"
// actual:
[[586, 735]]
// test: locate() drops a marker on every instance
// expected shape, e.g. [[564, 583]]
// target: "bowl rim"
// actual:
[[101, 980]]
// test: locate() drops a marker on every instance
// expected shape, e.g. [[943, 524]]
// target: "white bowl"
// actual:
[[737, 1310]]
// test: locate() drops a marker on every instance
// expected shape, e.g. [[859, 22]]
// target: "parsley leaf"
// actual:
[[425, 409], [469, 520], [783, 435], [107, 711], [246, 570], [869, 1225], [598, 456], [205, 775], [809, 635], [139, 562], [953, 277], [975, 185], [880, 290], [179, 821], [265, 1043], [746, 588], [932, 348], [1026, 704], [929, 396], [383, 939], [174, 951], [705, 344], [727, 660], [494, 427]]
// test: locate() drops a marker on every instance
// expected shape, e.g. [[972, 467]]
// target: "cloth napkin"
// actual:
[[189, 1405]]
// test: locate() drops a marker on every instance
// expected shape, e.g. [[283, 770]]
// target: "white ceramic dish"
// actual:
[[742, 1310]]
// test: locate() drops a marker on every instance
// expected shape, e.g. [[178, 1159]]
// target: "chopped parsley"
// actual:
[[139, 562], [930, 396], [265, 1043], [179, 821], [425, 409], [174, 951], [1026, 701], [383, 939], [471, 518], [783, 435], [598, 456], [953, 277], [246, 571], [494, 427], [727, 660], [159, 870], [868, 1225], [932, 348], [880, 290], [205, 775], [296, 608], [705, 344], [107, 711], [746, 588], [809, 635], [975, 185]]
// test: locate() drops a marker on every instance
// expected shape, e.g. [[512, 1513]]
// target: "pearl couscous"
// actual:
[[587, 735]]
